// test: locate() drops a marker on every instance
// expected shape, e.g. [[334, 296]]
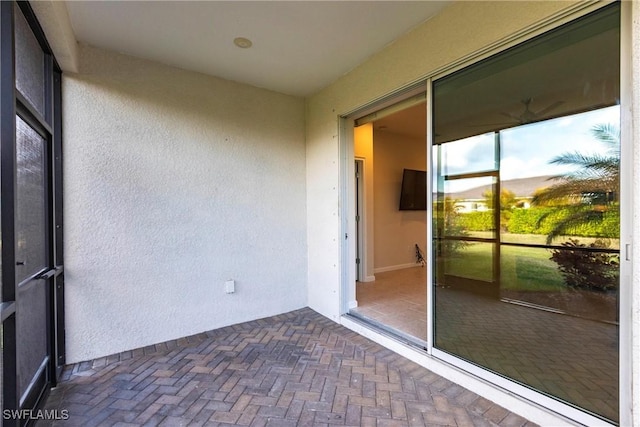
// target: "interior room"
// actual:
[[392, 289]]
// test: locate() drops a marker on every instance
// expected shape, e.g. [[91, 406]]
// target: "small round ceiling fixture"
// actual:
[[242, 42]]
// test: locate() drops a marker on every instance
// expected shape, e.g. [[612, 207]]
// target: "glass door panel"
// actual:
[[30, 64], [32, 259], [562, 229], [465, 240], [467, 155], [31, 321], [467, 260], [535, 214], [31, 213]]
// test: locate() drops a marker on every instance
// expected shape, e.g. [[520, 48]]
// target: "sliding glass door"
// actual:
[[466, 259], [525, 240]]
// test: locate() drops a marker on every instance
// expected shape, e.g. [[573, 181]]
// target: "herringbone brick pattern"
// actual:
[[295, 369]]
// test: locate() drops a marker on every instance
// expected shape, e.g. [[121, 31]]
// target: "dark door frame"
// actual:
[[48, 125]]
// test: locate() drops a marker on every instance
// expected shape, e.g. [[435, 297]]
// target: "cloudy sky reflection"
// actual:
[[526, 151]]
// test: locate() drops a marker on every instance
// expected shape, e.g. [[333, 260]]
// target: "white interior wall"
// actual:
[[396, 232], [175, 182]]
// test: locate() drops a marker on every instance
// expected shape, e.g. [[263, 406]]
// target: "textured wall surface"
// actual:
[[174, 183]]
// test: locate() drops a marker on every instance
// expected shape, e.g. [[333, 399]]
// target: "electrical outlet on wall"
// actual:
[[230, 286]]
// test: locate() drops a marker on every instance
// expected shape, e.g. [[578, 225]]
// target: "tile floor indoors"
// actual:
[[573, 358], [295, 369]]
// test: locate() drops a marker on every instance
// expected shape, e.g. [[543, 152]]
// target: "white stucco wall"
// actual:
[[175, 182]]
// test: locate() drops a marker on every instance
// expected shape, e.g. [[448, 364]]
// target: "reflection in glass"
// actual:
[[577, 282], [567, 357], [466, 259], [572, 210], [568, 185], [549, 249], [461, 196], [471, 154]]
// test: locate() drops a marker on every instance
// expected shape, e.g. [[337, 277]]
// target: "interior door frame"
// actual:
[[359, 188]]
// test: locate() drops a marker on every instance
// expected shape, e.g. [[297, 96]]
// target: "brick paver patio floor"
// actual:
[[294, 369]]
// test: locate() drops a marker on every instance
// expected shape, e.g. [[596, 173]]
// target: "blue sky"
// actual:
[[526, 150]]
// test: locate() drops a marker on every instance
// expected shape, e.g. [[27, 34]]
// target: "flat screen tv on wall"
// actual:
[[413, 195]]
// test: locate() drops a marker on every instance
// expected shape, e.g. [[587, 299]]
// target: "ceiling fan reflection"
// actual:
[[526, 116]]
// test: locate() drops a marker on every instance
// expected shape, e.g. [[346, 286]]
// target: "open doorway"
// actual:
[[390, 153]]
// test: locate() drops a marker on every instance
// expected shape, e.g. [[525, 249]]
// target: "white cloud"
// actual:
[[528, 150]]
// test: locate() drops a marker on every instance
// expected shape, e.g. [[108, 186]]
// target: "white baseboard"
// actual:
[[353, 304], [371, 278], [395, 267]]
